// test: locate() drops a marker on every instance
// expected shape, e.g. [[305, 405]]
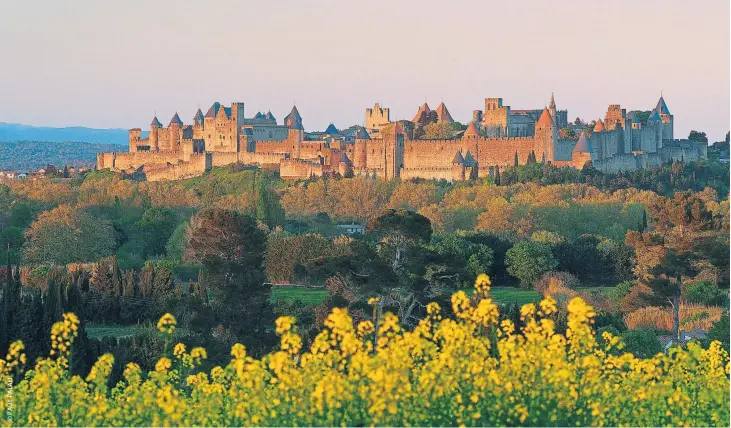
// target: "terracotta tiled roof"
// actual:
[[443, 114], [545, 119], [599, 127], [424, 108], [471, 131]]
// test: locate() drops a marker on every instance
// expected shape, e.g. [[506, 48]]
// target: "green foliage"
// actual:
[[720, 330], [704, 292], [401, 222], [529, 261], [620, 291], [642, 343], [65, 235]]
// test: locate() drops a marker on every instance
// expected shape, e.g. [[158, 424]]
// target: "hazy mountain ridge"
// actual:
[[31, 155], [18, 132]]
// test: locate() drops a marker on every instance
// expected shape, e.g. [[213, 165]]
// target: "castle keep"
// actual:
[[496, 137]]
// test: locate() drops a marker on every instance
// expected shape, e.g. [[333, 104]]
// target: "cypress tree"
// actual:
[[497, 175], [515, 163]]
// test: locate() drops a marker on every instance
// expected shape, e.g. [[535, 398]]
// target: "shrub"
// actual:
[[642, 343]]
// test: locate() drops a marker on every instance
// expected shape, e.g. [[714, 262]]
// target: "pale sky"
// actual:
[[114, 64]]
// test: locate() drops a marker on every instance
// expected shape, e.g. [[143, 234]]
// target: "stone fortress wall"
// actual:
[[385, 149]]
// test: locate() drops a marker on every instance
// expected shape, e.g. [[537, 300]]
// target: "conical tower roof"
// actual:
[[198, 116], [331, 129], [458, 159], [423, 109], [176, 120], [599, 127], [469, 159], [155, 123], [213, 111], [545, 119], [661, 107], [362, 134], [443, 114], [633, 117], [345, 159], [654, 116], [583, 145], [552, 104], [471, 131], [269, 116]]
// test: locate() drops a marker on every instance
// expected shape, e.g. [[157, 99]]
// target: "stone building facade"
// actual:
[[494, 139]]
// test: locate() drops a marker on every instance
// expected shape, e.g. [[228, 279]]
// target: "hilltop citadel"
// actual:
[[496, 137]]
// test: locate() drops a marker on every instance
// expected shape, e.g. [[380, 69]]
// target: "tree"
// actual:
[[153, 230], [438, 131], [698, 136], [231, 248], [497, 175], [529, 261], [667, 254], [65, 235]]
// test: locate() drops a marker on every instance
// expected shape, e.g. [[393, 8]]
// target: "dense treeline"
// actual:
[[207, 249]]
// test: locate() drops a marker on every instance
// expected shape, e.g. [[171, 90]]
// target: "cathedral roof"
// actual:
[[471, 131], [423, 109], [545, 119], [269, 116], [443, 114], [198, 116], [176, 120], [661, 107], [258, 115], [362, 134], [633, 117], [331, 129], [552, 104], [458, 159], [583, 145], [599, 127], [156, 123], [654, 116]]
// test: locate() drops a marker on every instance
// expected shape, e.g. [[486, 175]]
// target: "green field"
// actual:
[[314, 296]]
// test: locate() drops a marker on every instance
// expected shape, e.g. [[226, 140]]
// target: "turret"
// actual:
[[545, 136], [155, 134], [458, 170], [175, 132], [666, 119], [583, 151], [360, 149]]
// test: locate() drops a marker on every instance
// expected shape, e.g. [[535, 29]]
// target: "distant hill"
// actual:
[[31, 155], [17, 132]]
